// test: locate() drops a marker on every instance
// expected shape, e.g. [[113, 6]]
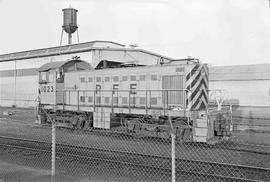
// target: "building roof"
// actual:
[[240, 72], [54, 50], [55, 65], [73, 48]]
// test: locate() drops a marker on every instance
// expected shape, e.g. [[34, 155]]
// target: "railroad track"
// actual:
[[240, 147], [211, 170], [227, 145]]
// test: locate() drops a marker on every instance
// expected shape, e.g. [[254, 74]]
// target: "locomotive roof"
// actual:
[[55, 65]]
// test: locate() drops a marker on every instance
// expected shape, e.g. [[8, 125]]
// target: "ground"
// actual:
[[14, 172], [17, 166]]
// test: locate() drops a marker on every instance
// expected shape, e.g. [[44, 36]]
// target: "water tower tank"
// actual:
[[70, 20]]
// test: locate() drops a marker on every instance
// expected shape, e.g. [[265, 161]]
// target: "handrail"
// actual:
[[164, 102], [125, 90]]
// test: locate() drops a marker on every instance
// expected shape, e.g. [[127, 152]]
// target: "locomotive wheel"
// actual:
[[135, 127], [88, 123], [184, 134], [75, 122], [43, 118], [81, 122]]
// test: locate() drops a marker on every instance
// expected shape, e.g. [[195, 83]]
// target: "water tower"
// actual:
[[69, 23]]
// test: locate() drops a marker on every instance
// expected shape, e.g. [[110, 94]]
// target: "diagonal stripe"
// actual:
[[200, 88], [192, 71], [199, 80], [187, 76], [201, 93], [203, 104], [204, 93], [200, 102], [196, 89], [196, 79], [194, 93], [196, 67], [198, 84], [196, 102], [195, 74]]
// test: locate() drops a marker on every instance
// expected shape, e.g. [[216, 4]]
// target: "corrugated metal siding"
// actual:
[[19, 72], [245, 93], [245, 85], [173, 82], [27, 72], [240, 72], [7, 73]]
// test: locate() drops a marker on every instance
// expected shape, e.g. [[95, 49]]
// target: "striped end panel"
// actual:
[[197, 82]]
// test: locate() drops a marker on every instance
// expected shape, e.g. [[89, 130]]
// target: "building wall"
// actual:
[[248, 88], [7, 91], [247, 85], [21, 89], [7, 83], [245, 93]]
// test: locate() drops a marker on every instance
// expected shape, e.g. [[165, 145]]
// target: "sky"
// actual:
[[218, 32]]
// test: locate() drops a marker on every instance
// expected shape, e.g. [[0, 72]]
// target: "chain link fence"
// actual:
[[44, 152]]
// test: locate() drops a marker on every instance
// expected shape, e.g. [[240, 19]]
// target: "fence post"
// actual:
[[173, 149], [53, 149]]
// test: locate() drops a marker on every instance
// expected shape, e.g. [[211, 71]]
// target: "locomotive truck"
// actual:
[[139, 99]]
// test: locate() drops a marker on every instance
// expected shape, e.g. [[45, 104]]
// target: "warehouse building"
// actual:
[[18, 71], [248, 89], [247, 86]]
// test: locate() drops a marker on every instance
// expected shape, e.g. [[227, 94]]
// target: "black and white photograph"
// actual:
[[135, 90]]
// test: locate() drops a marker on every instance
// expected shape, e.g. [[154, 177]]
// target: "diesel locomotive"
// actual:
[[146, 100]]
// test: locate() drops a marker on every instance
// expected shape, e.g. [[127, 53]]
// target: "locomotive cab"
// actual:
[[48, 85], [52, 77]]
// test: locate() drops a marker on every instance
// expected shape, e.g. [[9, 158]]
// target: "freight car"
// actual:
[[132, 98]]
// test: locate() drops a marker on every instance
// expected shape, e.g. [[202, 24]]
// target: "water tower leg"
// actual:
[[69, 38], [78, 36], [61, 37]]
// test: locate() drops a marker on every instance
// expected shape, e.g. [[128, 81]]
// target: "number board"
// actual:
[[47, 88]]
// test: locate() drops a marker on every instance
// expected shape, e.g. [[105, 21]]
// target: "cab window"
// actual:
[[43, 76], [59, 76]]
